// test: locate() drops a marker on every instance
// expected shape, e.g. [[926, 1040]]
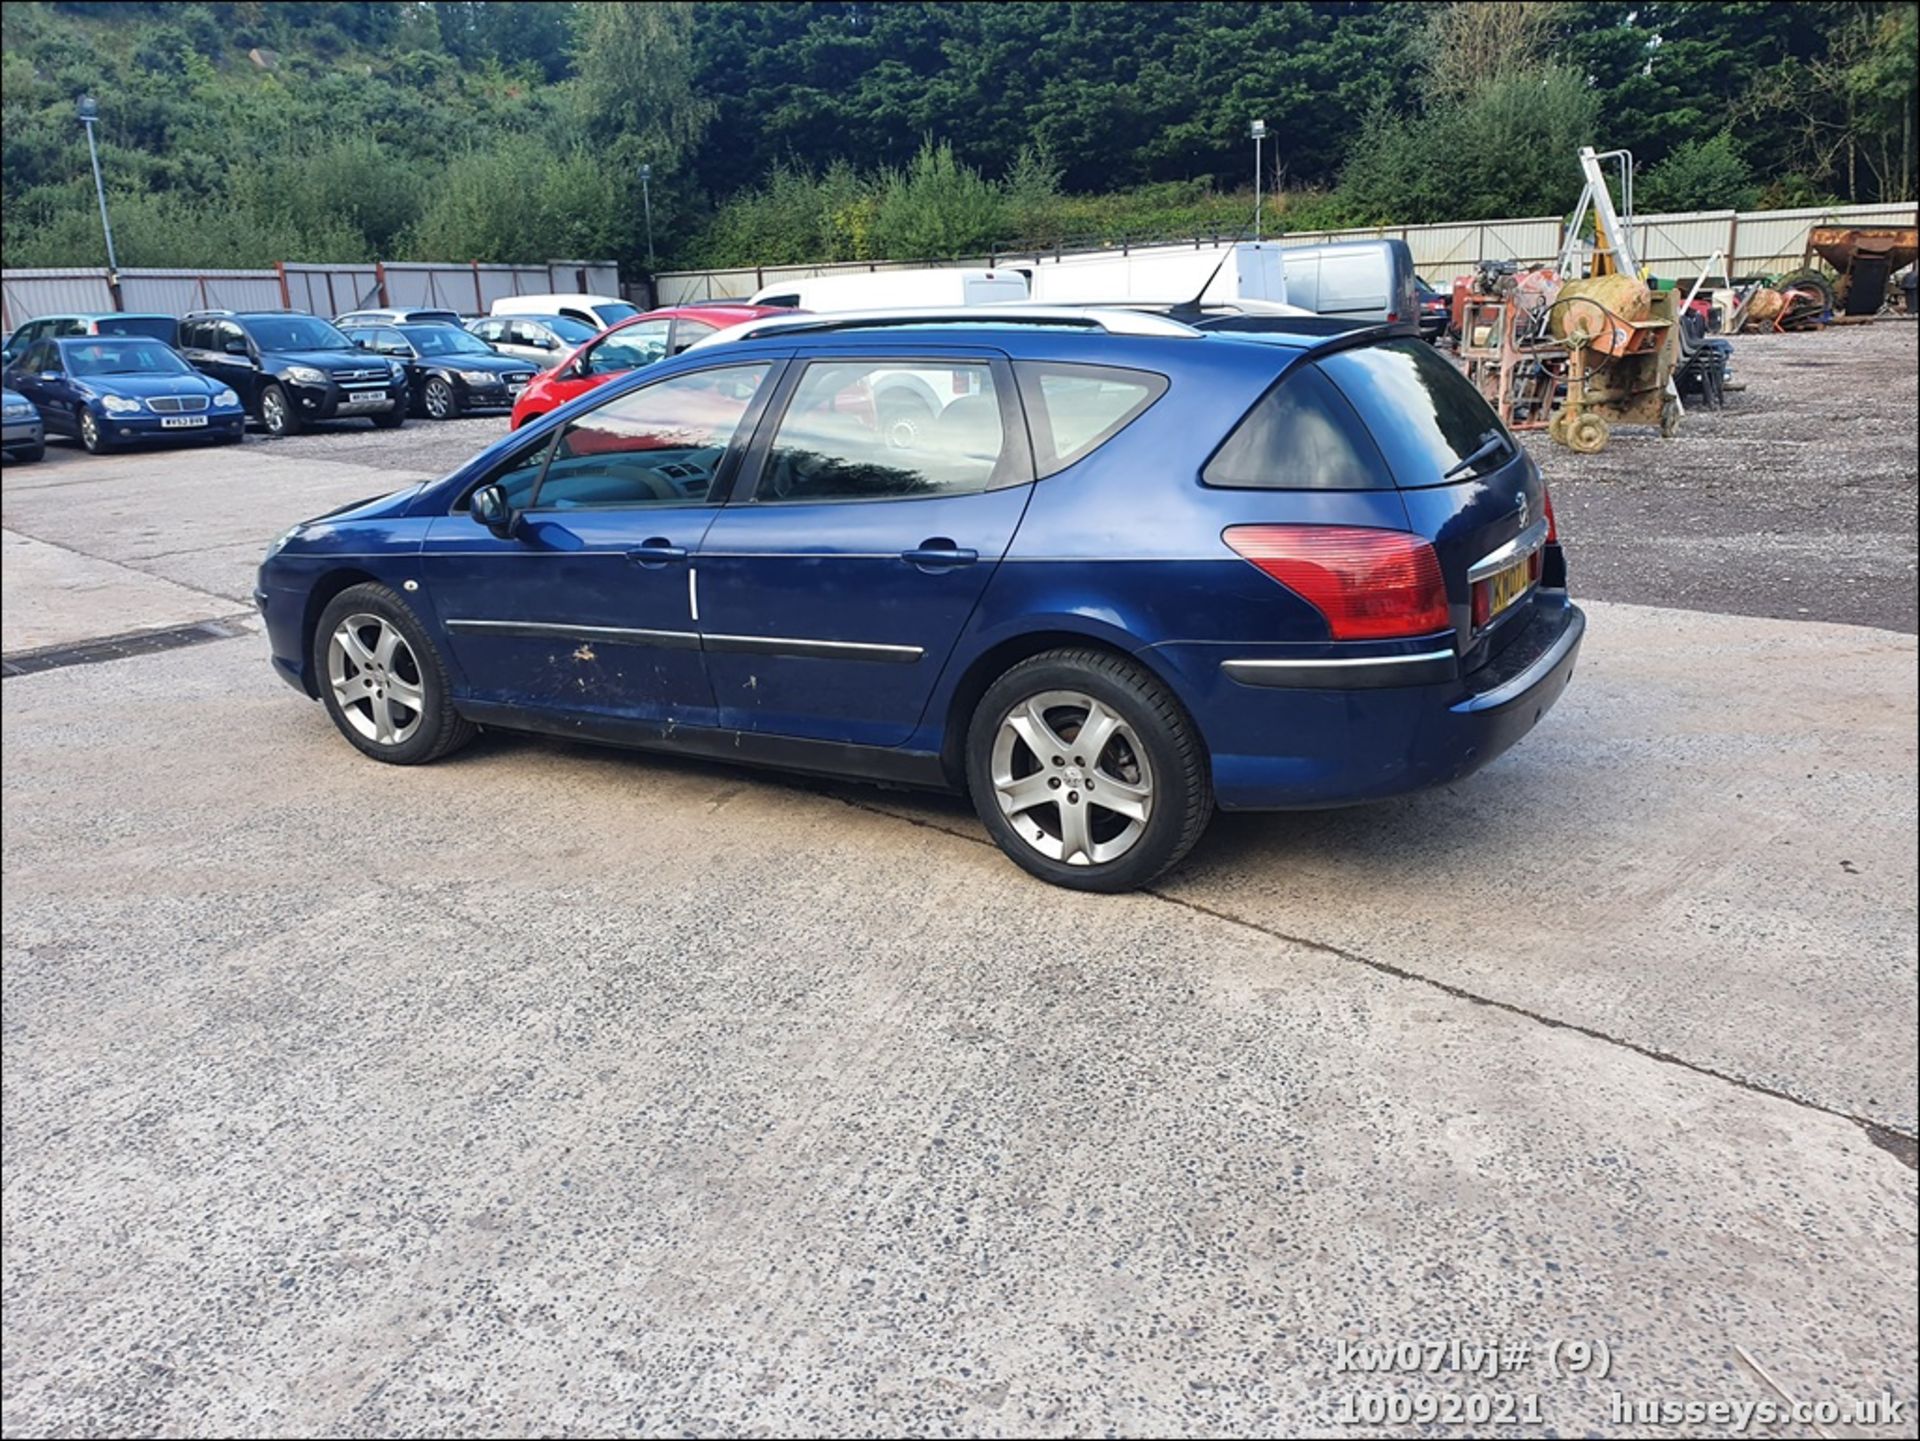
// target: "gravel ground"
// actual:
[[1796, 501]]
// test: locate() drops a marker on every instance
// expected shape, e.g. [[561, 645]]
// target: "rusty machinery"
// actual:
[[1575, 357]]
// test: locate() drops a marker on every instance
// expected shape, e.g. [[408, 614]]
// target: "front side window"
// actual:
[[628, 349], [1300, 435], [887, 430], [1076, 409], [661, 445], [231, 339], [391, 342]]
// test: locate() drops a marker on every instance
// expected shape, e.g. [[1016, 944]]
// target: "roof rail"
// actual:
[[1081, 317]]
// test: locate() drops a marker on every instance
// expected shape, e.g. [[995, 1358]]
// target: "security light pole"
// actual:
[[646, 204], [1259, 133], [89, 113]]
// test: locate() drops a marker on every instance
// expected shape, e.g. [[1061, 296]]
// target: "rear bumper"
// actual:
[[1307, 744]]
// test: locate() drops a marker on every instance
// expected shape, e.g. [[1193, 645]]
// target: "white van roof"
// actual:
[[866, 287], [546, 304]]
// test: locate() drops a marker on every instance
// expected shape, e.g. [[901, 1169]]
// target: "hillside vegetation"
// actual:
[[241, 133]]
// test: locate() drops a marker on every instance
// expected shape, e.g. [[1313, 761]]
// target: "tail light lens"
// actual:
[[1369, 584], [1553, 526]]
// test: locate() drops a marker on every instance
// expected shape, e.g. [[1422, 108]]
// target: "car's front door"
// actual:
[[834, 588], [586, 605], [220, 349], [53, 397]]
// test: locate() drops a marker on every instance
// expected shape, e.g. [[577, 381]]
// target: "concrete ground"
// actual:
[[558, 1090]]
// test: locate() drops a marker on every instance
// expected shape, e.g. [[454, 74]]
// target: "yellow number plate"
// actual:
[[1507, 586]]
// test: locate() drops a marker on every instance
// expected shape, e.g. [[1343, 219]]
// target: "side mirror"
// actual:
[[236, 347], [488, 505], [361, 345], [546, 342]]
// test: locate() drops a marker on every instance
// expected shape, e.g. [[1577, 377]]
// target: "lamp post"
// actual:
[[1259, 133], [89, 111], [646, 205]]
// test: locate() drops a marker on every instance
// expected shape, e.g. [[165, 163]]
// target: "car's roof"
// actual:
[[101, 315], [726, 312]]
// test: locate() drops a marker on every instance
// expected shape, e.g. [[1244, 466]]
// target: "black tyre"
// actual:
[[91, 436], [277, 414], [390, 419], [439, 401], [383, 681], [1087, 771]]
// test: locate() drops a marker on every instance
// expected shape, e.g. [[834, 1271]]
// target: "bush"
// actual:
[[937, 209], [1507, 149], [1700, 175]]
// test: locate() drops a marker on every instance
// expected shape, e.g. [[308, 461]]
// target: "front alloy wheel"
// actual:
[[439, 400], [1072, 778], [90, 435], [376, 679]]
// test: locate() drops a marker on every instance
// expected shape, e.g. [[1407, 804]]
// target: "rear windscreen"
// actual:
[[1424, 414], [154, 327]]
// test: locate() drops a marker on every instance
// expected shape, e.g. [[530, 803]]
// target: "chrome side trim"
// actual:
[[817, 649], [1499, 558], [1344, 672], [617, 635]]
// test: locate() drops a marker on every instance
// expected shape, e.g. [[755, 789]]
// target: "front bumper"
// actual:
[[1309, 744], [496, 395], [336, 402], [143, 426], [23, 431]]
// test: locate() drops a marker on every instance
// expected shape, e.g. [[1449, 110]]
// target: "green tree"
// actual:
[[635, 86]]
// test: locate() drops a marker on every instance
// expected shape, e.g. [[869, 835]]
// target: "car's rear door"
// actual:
[[833, 588]]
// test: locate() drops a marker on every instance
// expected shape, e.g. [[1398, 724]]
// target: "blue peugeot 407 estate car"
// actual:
[[1121, 572]]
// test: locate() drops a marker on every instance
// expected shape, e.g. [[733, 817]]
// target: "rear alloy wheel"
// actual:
[[439, 400], [1087, 771], [382, 680], [90, 435], [277, 414]]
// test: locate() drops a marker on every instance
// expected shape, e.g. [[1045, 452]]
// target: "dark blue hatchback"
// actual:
[[1096, 568]]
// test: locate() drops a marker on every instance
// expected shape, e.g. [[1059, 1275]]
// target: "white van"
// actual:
[[896, 289], [1166, 276], [1366, 280], [599, 311]]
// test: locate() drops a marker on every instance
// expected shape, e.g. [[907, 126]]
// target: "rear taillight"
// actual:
[[1553, 526], [1369, 584]]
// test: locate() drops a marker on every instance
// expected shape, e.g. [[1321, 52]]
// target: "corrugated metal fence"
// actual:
[[1759, 242], [469, 288]]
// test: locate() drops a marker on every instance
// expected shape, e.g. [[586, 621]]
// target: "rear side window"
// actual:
[[1075, 409], [888, 430], [1426, 415], [1301, 435]]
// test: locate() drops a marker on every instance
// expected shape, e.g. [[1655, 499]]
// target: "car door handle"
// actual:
[[656, 552], [939, 552]]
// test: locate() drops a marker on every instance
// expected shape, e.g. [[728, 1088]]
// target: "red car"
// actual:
[[632, 343]]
